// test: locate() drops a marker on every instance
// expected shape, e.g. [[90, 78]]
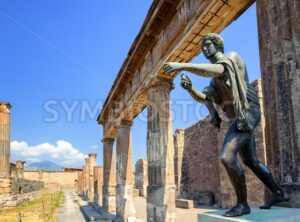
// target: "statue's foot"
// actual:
[[237, 211], [275, 199]]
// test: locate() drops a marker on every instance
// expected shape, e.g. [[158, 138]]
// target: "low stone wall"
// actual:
[[16, 200], [21, 186], [5, 186]]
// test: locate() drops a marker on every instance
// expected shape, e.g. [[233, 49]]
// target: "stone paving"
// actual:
[[70, 210], [76, 209], [182, 215]]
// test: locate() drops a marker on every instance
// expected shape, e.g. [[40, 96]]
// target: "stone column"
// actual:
[[4, 139], [83, 180], [125, 180], [98, 183], [109, 175], [279, 41], [86, 178], [20, 169], [79, 184], [178, 160], [160, 153], [91, 165], [141, 177]]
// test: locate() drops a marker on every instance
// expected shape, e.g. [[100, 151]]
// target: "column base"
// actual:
[[98, 199], [161, 203], [109, 198], [125, 203]]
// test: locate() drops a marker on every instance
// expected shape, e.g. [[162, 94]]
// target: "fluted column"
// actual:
[[98, 184], [125, 180], [86, 177], [4, 139], [279, 41], [160, 154], [92, 164], [109, 175]]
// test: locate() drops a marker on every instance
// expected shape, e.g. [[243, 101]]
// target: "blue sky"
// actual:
[[59, 56]]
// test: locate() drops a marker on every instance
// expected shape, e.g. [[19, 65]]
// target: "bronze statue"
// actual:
[[231, 91]]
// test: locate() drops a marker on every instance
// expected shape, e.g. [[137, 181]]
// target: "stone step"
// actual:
[[184, 203], [278, 214]]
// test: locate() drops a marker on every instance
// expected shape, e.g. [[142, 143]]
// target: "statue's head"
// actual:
[[211, 44]]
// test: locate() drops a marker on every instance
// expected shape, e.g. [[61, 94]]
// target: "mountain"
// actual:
[[44, 165]]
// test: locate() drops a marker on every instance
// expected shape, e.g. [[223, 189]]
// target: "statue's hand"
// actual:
[[186, 83], [172, 67]]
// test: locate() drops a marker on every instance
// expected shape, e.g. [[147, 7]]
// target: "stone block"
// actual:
[[183, 203], [276, 214], [206, 198]]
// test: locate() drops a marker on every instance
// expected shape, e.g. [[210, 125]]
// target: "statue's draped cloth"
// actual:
[[236, 82]]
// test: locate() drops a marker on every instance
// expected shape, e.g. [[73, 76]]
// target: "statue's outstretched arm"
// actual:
[[197, 95], [205, 70], [186, 83]]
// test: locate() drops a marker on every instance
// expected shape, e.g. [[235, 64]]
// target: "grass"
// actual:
[[41, 209]]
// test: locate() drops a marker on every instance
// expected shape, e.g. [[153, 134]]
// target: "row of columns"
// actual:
[[118, 185], [87, 177]]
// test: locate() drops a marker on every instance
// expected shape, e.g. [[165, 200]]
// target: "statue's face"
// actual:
[[208, 48]]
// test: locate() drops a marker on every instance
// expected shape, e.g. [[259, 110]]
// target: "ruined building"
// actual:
[[14, 189], [172, 31]]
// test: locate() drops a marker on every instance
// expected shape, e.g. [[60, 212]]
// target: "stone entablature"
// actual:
[[186, 22]]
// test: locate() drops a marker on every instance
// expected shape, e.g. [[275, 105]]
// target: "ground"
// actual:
[[182, 215], [40, 209], [70, 210], [67, 206]]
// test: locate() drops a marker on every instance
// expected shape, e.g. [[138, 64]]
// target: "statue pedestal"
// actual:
[[276, 214]]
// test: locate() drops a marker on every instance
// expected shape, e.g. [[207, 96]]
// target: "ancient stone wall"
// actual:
[[21, 186], [54, 180], [5, 186], [201, 169], [200, 158]]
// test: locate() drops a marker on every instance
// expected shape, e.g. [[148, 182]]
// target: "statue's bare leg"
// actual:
[[248, 154], [234, 141]]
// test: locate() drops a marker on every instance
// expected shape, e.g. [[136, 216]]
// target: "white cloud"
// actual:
[[62, 153]]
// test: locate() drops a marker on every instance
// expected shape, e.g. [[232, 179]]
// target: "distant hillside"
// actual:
[[44, 165]]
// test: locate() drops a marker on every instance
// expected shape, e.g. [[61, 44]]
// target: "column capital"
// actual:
[[5, 107], [20, 164], [92, 154], [161, 84], [108, 140], [125, 123]]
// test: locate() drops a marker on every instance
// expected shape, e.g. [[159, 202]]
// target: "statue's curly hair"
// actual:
[[216, 40]]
